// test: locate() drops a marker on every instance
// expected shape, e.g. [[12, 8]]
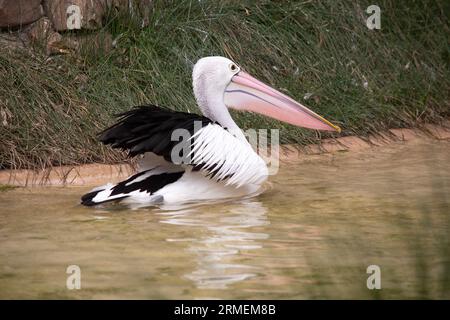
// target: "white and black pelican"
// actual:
[[222, 163]]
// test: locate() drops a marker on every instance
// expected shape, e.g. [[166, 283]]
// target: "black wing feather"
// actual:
[[149, 129]]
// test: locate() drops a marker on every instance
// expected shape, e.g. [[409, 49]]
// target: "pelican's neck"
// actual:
[[214, 108], [212, 105]]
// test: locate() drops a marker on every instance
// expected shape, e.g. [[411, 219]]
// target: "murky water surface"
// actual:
[[311, 235]]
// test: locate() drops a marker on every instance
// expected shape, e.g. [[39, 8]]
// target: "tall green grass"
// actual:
[[318, 52]]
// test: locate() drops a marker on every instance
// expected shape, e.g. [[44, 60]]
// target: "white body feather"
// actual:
[[212, 145], [215, 146]]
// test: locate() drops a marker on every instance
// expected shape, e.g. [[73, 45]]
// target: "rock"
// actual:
[[75, 14], [39, 30], [41, 34], [15, 13]]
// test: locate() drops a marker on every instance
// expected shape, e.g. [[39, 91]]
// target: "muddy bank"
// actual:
[[359, 144], [94, 174], [83, 175]]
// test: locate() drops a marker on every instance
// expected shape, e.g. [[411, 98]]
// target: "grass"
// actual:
[[6, 187], [318, 52]]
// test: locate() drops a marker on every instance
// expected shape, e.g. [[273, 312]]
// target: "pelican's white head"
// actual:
[[220, 83], [210, 78]]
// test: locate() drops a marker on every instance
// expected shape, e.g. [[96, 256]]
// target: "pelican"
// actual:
[[220, 163]]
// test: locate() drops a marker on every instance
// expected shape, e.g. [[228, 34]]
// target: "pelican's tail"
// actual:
[[99, 195], [140, 187]]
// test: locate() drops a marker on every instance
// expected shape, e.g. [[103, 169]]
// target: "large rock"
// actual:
[[15, 13], [75, 14]]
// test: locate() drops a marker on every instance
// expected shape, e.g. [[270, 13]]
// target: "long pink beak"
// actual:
[[247, 93]]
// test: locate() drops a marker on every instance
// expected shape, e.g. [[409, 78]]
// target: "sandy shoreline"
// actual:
[[94, 174]]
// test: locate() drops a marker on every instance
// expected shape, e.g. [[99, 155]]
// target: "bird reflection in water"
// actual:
[[225, 234]]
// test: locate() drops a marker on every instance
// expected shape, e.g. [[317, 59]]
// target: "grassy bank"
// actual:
[[320, 53]]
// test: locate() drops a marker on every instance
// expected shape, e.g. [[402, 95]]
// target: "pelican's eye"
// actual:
[[233, 67]]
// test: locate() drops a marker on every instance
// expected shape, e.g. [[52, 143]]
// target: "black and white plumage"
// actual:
[[147, 131], [217, 161]]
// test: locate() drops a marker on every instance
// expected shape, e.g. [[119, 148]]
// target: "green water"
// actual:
[[312, 234]]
